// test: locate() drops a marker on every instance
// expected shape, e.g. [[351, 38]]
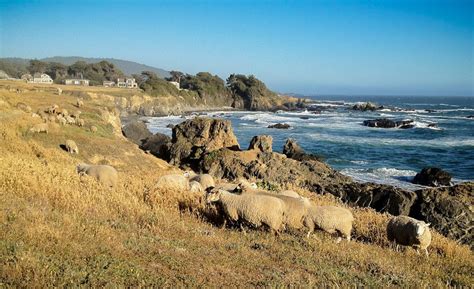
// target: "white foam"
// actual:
[[391, 176]]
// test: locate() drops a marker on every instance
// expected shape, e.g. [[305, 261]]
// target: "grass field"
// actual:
[[58, 229]]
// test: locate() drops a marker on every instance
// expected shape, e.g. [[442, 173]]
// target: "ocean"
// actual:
[[389, 156]]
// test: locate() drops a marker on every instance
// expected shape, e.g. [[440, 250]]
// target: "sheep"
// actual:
[[39, 128], [63, 111], [330, 219], [69, 120], [173, 181], [52, 118], [59, 90], [205, 180], [107, 175], [257, 210], [23, 106], [195, 187], [79, 103], [76, 114], [71, 147], [52, 109], [407, 231], [289, 193], [93, 129], [190, 174], [79, 122], [62, 120]]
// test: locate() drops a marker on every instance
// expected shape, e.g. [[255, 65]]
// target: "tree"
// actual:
[[176, 76], [57, 71], [37, 66]]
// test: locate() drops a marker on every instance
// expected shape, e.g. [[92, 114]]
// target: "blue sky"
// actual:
[[310, 47]]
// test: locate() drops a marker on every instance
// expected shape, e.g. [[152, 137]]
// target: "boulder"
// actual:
[[433, 177], [449, 210], [280, 126], [262, 143], [368, 106], [470, 116], [389, 123], [158, 145], [292, 150], [136, 131], [195, 137]]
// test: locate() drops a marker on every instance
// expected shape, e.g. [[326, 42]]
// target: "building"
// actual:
[[83, 82], [175, 83], [108, 83], [37, 78], [126, 83]]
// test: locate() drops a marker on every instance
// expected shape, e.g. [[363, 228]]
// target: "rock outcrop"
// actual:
[[292, 150], [158, 145], [193, 138], [136, 131], [433, 177], [389, 123], [368, 106], [262, 143], [280, 126], [450, 210]]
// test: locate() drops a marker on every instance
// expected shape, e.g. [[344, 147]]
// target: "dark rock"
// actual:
[[304, 117], [389, 123], [449, 210], [170, 125], [470, 116], [368, 106], [292, 150], [433, 177], [194, 137], [158, 145], [430, 110], [136, 131], [433, 125], [280, 126], [262, 143]]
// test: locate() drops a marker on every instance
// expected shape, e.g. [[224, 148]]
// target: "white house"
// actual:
[[83, 82], [126, 83], [37, 78], [107, 83]]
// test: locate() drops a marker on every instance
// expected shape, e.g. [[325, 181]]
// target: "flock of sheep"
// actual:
[[245, 204]]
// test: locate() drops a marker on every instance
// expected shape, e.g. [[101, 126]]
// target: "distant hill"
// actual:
[[128, 67]]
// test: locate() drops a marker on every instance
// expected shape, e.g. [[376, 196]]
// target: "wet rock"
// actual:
[[262, 143], [280, 126], [389, 123], [430, 110], [433, 125], [433, 177], [368, 106], [194, 137], [449, 210], [470, 116], [136, 131], [170, 125]]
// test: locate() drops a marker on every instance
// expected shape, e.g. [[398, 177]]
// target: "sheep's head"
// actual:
[[80, 168], [421, 227], [213, 195], [195, 187]]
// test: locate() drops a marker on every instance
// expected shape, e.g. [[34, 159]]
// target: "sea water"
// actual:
[[390, 156]]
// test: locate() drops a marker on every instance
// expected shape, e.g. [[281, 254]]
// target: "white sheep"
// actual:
[[79, 103], [69, 120], [330, 219], [39, 128], [255, 209], [407, 231], [52, 109], [289, 193], [93, 129], [195, 187], [71, 146], [173, 181], [79, 122], [205, 180], [295, 209], [105, 174], [62, 120]]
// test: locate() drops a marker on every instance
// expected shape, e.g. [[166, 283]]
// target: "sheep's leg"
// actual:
[[417, 251], [426, 252], [397, 248]]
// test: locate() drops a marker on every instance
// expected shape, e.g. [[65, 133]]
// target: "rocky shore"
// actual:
[[209, 145]]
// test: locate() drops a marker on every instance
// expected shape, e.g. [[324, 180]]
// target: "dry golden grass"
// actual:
[[58, 229]]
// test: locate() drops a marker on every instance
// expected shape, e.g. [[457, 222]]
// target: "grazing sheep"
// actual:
[[205, 180], [79, 103], [330, 219], [76, 114], [39, 128], [71, 146], [105, 174], [52, 118], [63, 111], [195, 187], [23, 106], [254, 209], [34, 114], [408, 231], [62, 120], [174, 181], [52, 109], [59, 90], [190, 174], [69, 120], [93, 129], [79, 122]]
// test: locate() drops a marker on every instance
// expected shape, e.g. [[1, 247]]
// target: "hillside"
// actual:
[[128, 67], [59, 229]]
